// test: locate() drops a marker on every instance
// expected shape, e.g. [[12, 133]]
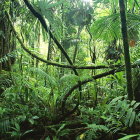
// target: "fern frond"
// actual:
[[6, 124], [69, 78], [96, 127], [8, 55], [95, 131], [42, 74]]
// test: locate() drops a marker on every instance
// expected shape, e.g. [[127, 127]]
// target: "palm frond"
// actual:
[[108, 28]]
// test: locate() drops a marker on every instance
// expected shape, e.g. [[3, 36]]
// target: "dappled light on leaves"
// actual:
[[64, 70]]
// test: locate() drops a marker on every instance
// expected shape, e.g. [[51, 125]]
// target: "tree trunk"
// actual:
[[126, 50], [7, 41], [7, 44]]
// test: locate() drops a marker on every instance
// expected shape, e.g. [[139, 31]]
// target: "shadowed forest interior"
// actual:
[[69, 69]]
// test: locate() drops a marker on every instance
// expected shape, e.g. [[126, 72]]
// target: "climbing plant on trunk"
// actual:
[[7, 39]]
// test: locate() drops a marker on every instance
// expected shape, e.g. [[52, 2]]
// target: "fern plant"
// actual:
[[93, 132], [121, 114]]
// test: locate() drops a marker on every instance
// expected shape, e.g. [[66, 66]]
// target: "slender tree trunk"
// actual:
[[1, 44], [76, 46], [126, 50], [49, 48], [64, 36], [38, 44]]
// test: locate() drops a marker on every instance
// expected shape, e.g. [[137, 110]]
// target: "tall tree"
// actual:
[[126, 50], [7, 42], [7, 39]]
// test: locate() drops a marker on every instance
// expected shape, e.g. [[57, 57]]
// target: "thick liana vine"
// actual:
[[121, 68], [42, 21]]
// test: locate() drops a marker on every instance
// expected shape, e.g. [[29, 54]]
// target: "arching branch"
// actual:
[[86, 81], [54, 63], [137, 3], [42, 21], [57, 64]]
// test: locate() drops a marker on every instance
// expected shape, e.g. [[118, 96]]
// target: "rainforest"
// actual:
[[69, 69]]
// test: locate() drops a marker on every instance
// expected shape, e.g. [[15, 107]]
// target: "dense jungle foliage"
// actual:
[[69, 69]]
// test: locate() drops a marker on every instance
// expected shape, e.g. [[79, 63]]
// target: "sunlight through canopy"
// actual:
[[87, 1]]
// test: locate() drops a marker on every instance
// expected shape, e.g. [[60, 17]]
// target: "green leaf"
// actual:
[[133, 102], [17, 126], [119, 105], [69, 78], [63, 125], [137, 62], [51, 81], [35, 117], [127, 119], [28, 131], [136, 105], [31, 121], [128, 137], [116, 99], [132, 118], [47, 5], [47, 138]]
